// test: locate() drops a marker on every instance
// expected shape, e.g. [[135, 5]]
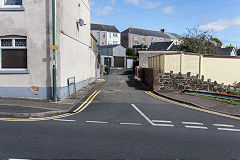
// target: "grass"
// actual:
[[217, 99]]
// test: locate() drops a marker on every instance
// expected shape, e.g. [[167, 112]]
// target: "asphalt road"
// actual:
[[123, 122]]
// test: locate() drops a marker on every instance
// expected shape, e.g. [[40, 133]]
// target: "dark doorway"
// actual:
[[119, 61]]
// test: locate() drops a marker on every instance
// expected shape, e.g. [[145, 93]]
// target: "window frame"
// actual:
[[10, 6], [12, 70]]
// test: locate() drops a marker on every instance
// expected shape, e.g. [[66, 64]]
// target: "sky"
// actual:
[[220, 18]]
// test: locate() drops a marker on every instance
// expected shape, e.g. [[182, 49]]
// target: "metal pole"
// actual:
[[54, 51]]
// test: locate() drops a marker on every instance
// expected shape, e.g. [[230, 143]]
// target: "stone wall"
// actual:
[[180, 82]]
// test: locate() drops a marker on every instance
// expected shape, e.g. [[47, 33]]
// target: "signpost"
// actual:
[[54, 48]]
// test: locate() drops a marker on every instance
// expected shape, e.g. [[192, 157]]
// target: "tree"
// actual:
[[130, 52], [217, 41], [238, 52], [198, 42], [231, 46]]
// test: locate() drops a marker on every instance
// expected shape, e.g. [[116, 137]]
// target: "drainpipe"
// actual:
[[54, 70]]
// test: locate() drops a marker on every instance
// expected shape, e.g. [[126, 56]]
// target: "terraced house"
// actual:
[[135, 37], [106, 34], [25, 57]]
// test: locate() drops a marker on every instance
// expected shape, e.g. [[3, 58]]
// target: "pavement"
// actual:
[[123, 121], [25, 108], [205, 103]]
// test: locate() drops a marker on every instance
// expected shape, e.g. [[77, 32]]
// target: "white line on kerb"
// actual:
[[136, 124], [196, 127], [97, 122], [223, 125], [193, 123], [161, 121], [229, 129], [64, 120], [142, 114]]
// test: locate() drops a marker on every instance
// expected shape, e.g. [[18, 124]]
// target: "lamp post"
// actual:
[[54, 70]]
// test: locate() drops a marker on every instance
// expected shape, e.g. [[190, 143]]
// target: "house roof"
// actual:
[[160, 46], [224, 51], [175, 48], [163, 46], [151, 33], [103, 27]]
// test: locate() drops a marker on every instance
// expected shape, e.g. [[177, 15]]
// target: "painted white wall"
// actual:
[[31, 23], [75, 58], [111, 39]]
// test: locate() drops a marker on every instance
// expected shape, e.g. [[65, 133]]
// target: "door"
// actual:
[[107, 61], [119, 61]]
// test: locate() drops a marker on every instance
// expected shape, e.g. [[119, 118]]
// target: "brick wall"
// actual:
[[150, 77]]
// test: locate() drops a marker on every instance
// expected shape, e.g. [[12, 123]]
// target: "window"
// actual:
[[115, 35], [103, 34], [98, 34], [152, 39], [13, 53], [115, 42], [110, 35], [161, 39], [12, 3], [136, 38], [143, 39]]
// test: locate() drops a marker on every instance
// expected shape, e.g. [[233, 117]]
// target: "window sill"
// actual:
[[14, 71], [12, 9]]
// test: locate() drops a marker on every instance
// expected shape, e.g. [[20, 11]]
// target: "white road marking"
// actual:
[[229, 129], [223, 125], [64, 120], [192, 123], [136, 124], [164, 125], [161, 121], [142, 114], [196, 127], [97, 122]]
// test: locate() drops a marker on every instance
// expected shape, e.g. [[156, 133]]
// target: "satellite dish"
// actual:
[[81, 22]]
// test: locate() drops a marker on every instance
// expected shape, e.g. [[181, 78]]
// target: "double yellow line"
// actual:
[[191, 107], [86, 103], [83, 106]]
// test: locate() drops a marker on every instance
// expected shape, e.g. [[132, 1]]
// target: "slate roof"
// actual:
[[160, 46], [151, 33], [224, 51], [103, 27], [175, 48]]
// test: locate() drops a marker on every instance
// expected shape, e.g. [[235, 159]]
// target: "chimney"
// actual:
[[163, 30]]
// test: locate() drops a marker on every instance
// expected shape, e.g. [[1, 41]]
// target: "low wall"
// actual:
[[181, 82]]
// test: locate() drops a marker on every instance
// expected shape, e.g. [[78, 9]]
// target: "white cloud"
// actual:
[[221, 24], [112, 2], [103, 11], [147, 4], [150, 5], [135, 2], [168, 10]]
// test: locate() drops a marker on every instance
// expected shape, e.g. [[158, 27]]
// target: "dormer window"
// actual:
[[12, 3]]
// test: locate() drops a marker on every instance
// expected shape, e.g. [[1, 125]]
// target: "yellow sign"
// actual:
[[53, 47]]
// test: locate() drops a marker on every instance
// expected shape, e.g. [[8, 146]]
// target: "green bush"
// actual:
[[233, 92]]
